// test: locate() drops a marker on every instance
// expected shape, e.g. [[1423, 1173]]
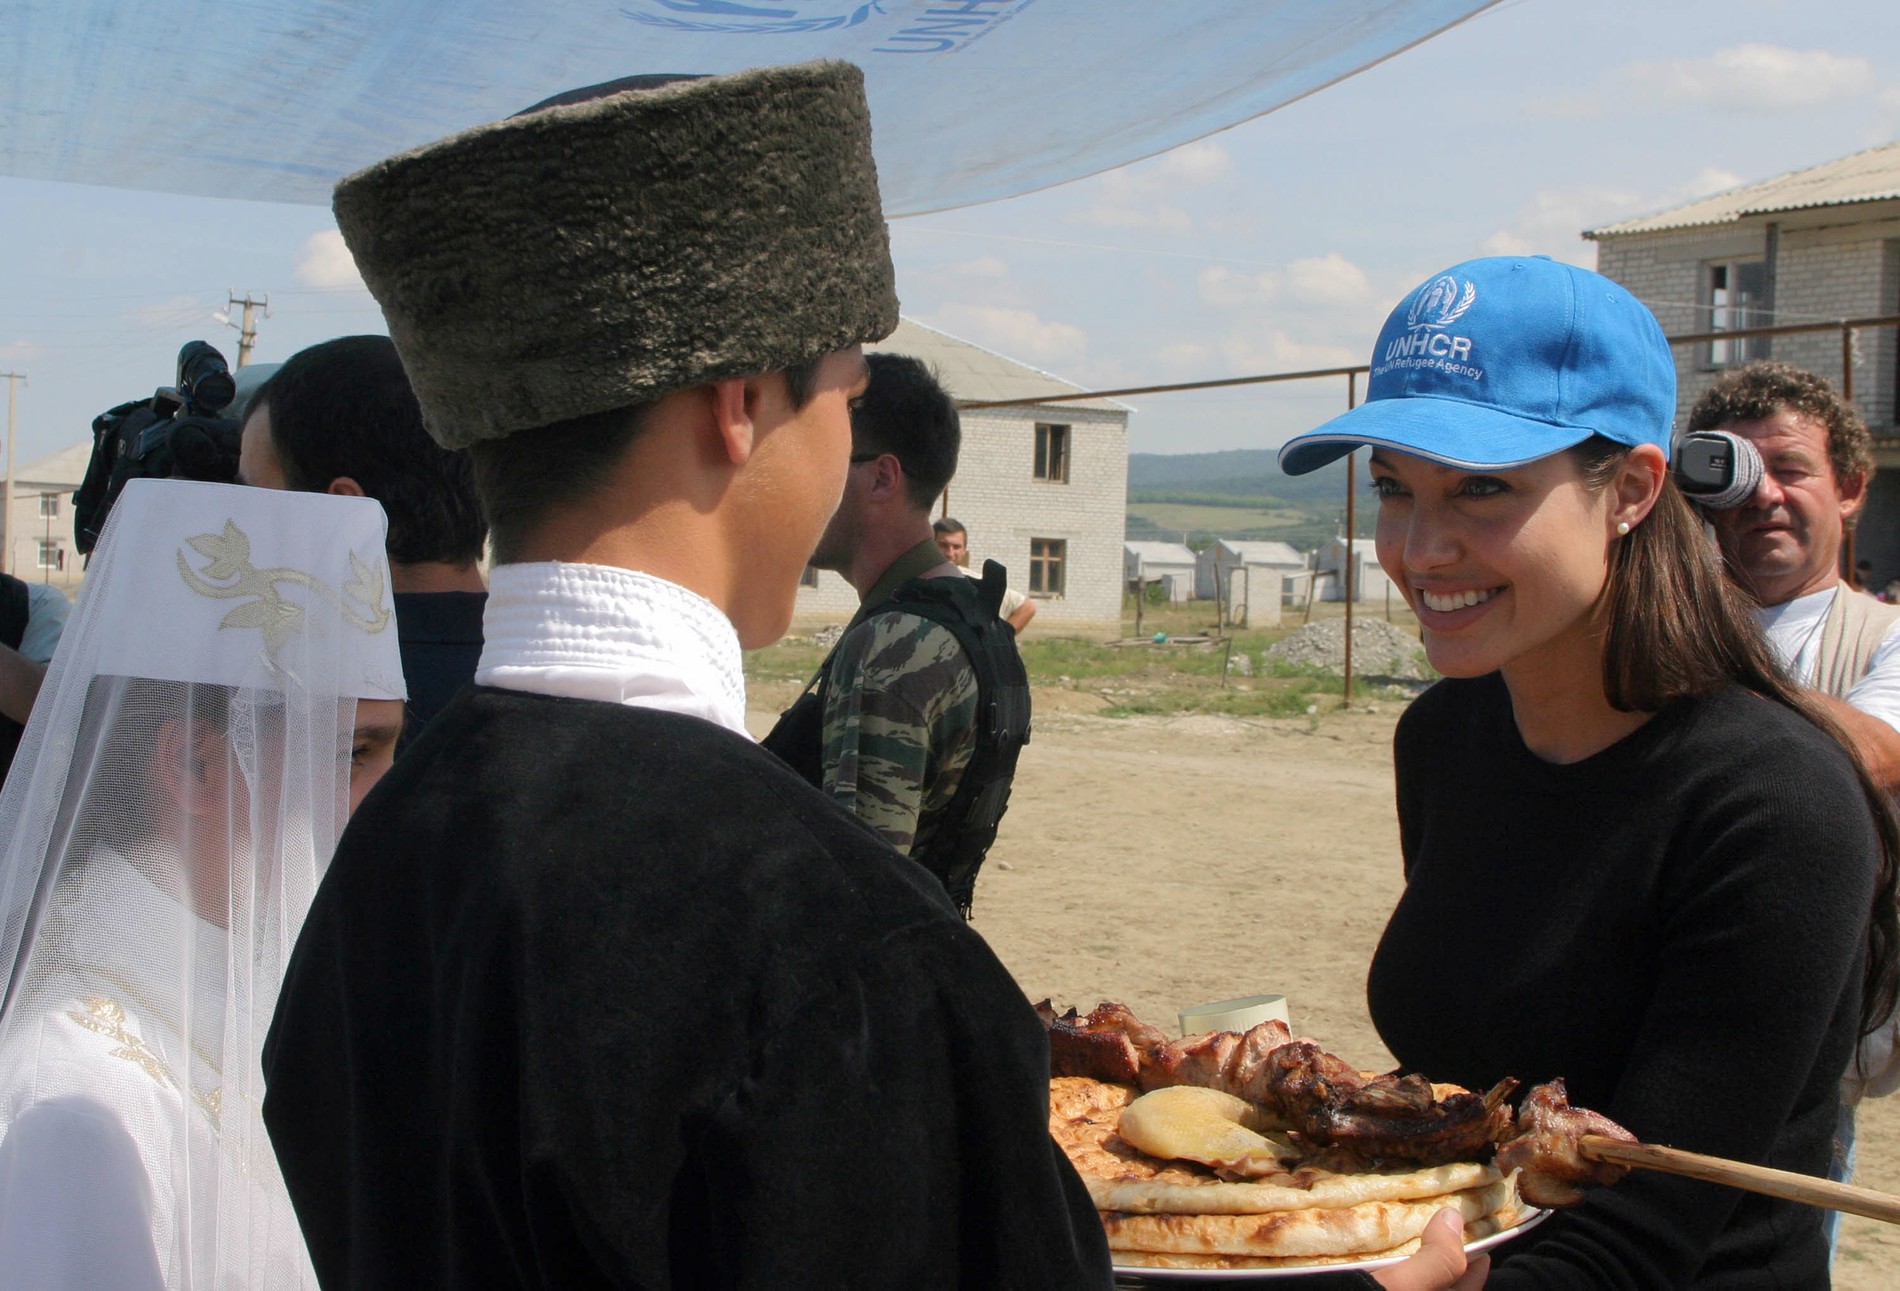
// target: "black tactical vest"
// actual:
[[966, 826]]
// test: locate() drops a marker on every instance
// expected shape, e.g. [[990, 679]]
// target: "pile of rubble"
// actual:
[[1378, 649]]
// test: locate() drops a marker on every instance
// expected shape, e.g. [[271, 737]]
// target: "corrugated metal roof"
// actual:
[[1868, 176], [973, 374], [1161, 553], [68, 466], [1264, 553]]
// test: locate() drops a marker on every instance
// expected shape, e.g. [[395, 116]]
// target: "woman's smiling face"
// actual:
[[1503, 568]]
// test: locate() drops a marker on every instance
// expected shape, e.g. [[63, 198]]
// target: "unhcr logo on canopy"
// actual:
[[926, 27], [1427, 340], [753, 19]]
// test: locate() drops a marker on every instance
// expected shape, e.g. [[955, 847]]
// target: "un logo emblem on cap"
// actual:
[[1440, 303], [752, 19]]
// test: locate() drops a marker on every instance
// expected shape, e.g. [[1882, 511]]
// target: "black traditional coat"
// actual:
[[604, 996]]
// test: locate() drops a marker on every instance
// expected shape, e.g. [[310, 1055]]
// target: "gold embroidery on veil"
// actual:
[[106, 1017], [229, 557]]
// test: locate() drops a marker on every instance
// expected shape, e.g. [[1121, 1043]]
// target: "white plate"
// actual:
[[1134, 1277]]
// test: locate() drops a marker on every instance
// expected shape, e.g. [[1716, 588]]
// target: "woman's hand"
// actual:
[[1439, 1264]]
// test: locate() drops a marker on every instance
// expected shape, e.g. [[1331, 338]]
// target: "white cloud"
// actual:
[[989, 267], [1160, 217], [1330, 279], [1566, 107], [1197, 164], [1018, 333], [173, 311], [1552, 222], [1274, 349], [1888, 114], [1138, 196], [1187, 358], [1755, 77], [325, 262], [20, 353], [1223, 288]]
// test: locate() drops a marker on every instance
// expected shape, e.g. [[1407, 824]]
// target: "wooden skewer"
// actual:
[[1785, 1184]]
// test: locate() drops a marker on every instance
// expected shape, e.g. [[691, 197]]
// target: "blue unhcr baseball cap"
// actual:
[[1498, 362]]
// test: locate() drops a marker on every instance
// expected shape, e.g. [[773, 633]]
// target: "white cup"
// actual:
[[1234, 1015]]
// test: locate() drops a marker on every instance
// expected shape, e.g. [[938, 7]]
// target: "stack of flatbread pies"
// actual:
[[1145, 1159]]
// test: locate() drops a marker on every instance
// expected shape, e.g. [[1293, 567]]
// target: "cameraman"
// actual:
[[32, 616], [339, 417], [1784, 546]]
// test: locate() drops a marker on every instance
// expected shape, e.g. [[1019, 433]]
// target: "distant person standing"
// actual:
[[32, 616], [954, 542], [339, 417], [915, 720]]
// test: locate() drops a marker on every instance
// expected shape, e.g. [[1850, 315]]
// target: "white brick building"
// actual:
[[1168, 563], [1815, 245], [1253, 578], [1043, 488], [40, 545]]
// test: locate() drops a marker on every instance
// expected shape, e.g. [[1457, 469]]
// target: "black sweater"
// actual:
[[1675, 925], [601, 996]]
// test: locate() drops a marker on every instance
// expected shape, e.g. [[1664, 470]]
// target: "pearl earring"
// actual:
[[1622, 527]]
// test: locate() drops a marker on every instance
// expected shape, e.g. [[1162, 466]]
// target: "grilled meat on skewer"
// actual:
[[1544, 1147]]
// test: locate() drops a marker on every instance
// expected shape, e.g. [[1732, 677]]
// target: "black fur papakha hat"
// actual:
[[592, 255]]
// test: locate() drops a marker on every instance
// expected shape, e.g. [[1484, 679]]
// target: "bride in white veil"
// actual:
[[227, 689]]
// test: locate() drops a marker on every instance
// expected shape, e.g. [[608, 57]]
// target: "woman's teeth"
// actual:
[[1445, 602]]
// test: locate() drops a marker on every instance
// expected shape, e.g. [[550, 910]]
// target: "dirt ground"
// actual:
[[1167, 862]]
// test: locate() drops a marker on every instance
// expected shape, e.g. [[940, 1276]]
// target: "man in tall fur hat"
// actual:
[[597, 992]]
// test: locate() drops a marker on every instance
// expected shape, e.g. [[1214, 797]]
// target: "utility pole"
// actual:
[[13, 380], [247, 331]]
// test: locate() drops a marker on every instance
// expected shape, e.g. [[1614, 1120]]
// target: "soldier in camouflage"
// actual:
[[890, 725]]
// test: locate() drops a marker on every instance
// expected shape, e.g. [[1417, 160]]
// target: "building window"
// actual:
[[52, 556], [49, 506], [1047, 556], [810, 577], [1736, 292], [1052, 453]]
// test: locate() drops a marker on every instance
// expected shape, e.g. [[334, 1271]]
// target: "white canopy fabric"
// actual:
[[972, 100]]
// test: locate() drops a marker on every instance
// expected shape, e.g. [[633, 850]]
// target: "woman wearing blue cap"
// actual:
[[1635, 857]]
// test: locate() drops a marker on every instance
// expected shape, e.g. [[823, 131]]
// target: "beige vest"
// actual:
[[1856, 624]]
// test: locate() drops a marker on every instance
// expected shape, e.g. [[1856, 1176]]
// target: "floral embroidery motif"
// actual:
[[267, 609], [107, 1018]]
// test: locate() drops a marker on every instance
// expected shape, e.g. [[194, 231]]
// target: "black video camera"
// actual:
[[178, 433], [1717, 470]]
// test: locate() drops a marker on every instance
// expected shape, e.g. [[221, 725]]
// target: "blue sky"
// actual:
[[1275, 246]]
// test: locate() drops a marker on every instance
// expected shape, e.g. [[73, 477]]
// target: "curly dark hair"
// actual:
[[1766, 386]]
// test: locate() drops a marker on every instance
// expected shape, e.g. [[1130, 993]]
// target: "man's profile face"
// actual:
[[258, 463], [955, 546], [795, 478], [1786, 542]]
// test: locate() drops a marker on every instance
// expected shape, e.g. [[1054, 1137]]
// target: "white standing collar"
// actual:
[[614, 635]]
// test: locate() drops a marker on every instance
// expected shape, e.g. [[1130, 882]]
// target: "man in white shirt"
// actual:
[[1784, 545]]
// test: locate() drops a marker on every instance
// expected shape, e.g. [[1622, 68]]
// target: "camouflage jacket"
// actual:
[[899, 724]]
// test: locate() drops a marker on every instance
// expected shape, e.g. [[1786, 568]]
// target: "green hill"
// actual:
[[1239, 493]]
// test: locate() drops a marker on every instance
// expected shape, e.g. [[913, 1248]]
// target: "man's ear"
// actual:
[[1853, 491], [344, 486], [735, 409]]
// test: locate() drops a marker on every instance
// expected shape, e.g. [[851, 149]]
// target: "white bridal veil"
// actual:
[[175, 799]]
